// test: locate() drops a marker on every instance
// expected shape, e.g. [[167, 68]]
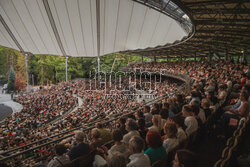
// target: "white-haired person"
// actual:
[[137, 158], [132, 128]]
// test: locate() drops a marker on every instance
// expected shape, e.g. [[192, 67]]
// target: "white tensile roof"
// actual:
[[72, 27]]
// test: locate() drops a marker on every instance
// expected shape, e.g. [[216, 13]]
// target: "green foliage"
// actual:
[[11, 58], [45, 69], [11, 80]]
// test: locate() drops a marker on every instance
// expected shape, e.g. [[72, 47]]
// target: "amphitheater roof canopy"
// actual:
[[221, 26], [88, 28]]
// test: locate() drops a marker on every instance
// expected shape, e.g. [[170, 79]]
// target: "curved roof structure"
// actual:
[[88, 28], [221, 26]]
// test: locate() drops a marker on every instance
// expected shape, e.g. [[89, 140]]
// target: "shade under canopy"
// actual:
[[123, 24]]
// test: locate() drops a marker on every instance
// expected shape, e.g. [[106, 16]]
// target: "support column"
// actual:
[[210, 56], [154, 58], [98, 35], [243, 56], [142, 58], [195, 56], [247, 56], [180, 58], [66, 71], [227, 55], [238, 61], [98, 63], [27, 72]]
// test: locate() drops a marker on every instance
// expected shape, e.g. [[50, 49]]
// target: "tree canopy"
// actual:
[[43, 69]]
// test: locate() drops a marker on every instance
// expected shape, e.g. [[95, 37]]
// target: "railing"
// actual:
[[182, 77]]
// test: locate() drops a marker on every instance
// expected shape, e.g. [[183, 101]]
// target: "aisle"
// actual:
[[14, 107], [80, 102]]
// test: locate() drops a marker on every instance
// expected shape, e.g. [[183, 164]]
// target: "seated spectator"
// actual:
[[184, 158], [206, 107], [155, 109], [156, 120], [60, 159], [170, 138], [79, 149], [139, 114], [172, 107], [238, 113], [212, 99], [119, 146], [181, 135], [105, 133], [137, 159], [244, 108], [198, 111], [190, 121], [131, 127], [96, 138], [122, 127], [117, 160], [195, 96], [141, 128], [222, 92], [155, 149], [148, 116]]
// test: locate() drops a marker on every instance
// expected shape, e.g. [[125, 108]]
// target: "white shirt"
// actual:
[[170, 143], [192, 125], [181, 135], [128, 136], [139, 160]]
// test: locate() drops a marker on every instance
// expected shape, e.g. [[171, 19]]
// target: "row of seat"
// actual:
[[233, 145]]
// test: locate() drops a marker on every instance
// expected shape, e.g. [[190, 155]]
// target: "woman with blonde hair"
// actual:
[[170, 138]]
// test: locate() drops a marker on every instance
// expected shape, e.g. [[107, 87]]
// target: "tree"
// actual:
[[20, 82], [11, 80]]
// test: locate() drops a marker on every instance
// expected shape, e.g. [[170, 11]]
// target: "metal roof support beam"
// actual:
[[211, 2], [205, 22], [10, 33], [223, 30], [53, 25], [216, 11], [66, 71]]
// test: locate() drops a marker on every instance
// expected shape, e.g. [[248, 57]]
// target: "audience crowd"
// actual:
[[148, 134]]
